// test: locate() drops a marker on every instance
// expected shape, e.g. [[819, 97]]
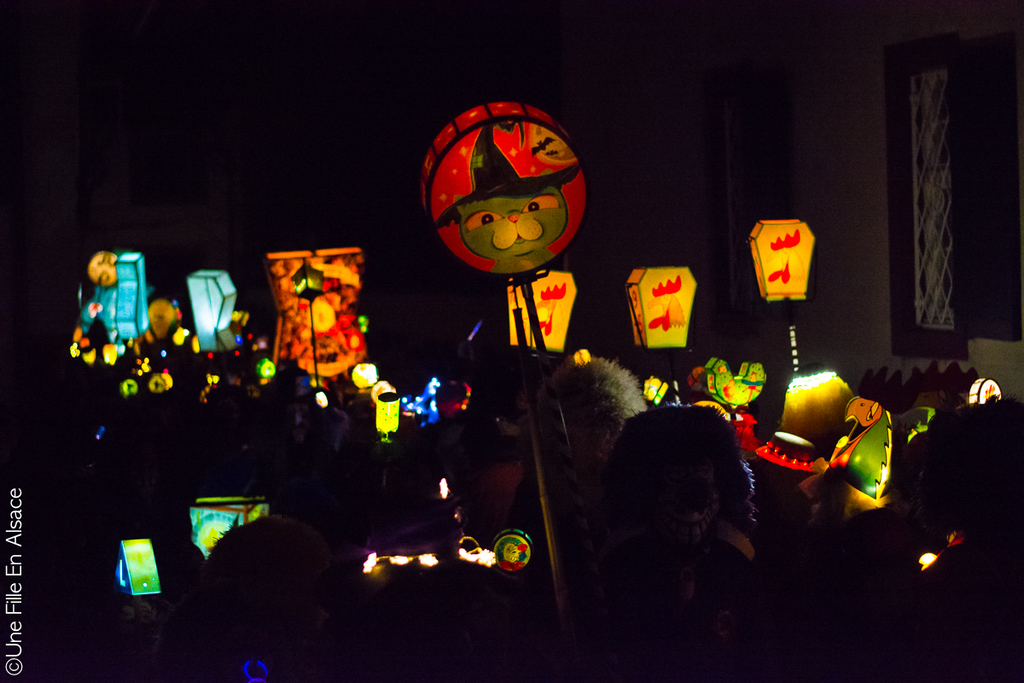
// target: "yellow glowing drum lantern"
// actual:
[[554, 295], [984, 390], [782, 253], [388, 408], [503, 188], [660, 302]]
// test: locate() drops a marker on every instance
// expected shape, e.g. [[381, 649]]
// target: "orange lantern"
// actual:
[[554, 295], [660, 302], [503, 187], [327, 316], [782, 258]]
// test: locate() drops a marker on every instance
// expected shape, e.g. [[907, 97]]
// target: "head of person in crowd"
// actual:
[[973, 469], [596, 397], [213, 632], [674, 470], [279, 560]]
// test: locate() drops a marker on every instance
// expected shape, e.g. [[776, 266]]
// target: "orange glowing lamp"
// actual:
[[554, 295], [782, 253], [661, 300], [984, 390]]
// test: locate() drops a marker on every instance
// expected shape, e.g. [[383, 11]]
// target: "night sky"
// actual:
[[324, 112]]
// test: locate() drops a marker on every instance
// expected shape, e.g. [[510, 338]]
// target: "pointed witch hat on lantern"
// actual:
[[494, 176]]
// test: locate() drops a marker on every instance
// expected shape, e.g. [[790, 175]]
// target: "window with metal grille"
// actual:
[[933, 243], [953, 194]]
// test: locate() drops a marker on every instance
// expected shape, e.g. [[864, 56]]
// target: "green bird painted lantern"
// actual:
[[733, 390], [862, 457]]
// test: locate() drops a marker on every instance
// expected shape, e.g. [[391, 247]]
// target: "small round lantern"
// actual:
[[266, 369], [503, 188], [379, 388], [364, 375], [984, 390], [129, 387], [513, 549]]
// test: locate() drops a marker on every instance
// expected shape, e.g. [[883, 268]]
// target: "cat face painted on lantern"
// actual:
[[500, 198], [514, 231]]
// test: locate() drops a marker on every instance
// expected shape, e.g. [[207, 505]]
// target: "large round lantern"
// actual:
[[503, 187]]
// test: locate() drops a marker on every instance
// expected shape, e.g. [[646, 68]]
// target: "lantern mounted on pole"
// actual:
[[309, 284], [503, 188], [660, 304], [553, 297], [782, 251], [505, 193]]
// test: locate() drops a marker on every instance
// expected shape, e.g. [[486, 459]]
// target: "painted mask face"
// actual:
[[687, 503], [514, 231]]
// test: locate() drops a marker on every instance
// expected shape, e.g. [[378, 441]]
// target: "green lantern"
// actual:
[[129, 387], [862, 457], [136, 568], [266, 369]]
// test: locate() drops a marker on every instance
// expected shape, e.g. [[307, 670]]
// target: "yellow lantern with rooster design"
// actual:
[[554, 295], [660, 301]]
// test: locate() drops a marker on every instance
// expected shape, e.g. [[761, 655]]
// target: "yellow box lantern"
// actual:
[[782, 253], [554, 295], [660, 301]]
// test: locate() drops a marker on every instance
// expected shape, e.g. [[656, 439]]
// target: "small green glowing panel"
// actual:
[[136, 568]]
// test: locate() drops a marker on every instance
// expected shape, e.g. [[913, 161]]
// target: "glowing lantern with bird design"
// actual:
[[660, 303], [730, 389], [863, 455], [503, 188], [782, 253], [554, 295]]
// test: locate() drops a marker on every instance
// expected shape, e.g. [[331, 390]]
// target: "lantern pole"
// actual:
[[791, 316], [598, 616], [672, 374], [557, 575], [312, 336]]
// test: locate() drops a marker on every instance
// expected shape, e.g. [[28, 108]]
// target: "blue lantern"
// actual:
[[213, 300]]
